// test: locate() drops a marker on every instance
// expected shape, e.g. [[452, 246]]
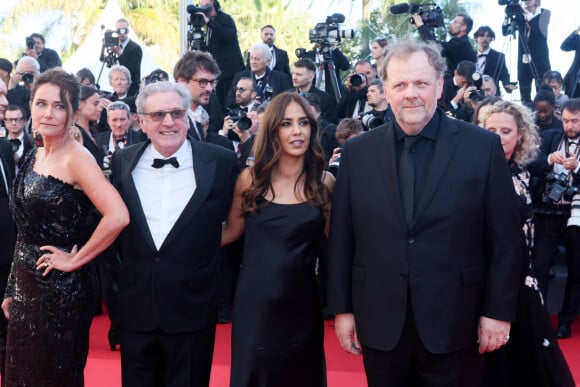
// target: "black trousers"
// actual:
[[411, 365], [160, 359], [550, 232]]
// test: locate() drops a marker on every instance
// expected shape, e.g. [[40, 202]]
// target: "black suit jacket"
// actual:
[[174, 288], [131, 58], [7, 226], [223, 44], [340, 62], [496, 68], [572, 43], [48, 59], [132, 137], [458, 260], [278, 81], [454, 50]]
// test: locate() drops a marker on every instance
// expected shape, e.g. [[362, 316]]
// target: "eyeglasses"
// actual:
[[241, 90], [204, 82], [20, 119], [159, 116]]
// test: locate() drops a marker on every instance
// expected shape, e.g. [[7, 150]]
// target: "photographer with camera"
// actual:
[[236, 122], [27, 69], [46, 57], [531, 22], [354, 100], [456, 49], [323, 79], [454, 87], [129, 54], [269, 83], [222, 42], [555, 182], [381, 112]]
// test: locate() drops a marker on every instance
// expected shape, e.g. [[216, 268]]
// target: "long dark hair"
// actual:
[[267, 153]]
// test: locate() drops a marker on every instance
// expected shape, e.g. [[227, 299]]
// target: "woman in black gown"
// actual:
[[281, 203], [55, 201], [532, 356]]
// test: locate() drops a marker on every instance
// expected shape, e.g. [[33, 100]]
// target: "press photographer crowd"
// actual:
[[408, 195]]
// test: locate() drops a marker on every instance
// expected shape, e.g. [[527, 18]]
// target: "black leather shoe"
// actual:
[[563, 332], [224, 313]]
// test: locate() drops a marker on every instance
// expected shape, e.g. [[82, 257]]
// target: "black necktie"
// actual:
[[407, 177], [158, 163]]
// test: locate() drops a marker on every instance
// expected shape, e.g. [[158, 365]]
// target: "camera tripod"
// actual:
[[328, 64]]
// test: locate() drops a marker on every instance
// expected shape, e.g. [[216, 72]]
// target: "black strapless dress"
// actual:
[[48, 329], [277, 333]]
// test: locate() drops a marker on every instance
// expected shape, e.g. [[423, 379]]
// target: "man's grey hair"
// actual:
[[162, 87], [407, 46], [119, 105], [263, 50], [29, 59], [122, 69]]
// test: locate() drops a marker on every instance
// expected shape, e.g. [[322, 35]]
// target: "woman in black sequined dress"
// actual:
[[281, 203], [66, 213]]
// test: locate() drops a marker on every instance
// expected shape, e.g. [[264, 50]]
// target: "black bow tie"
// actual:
[[15, 144], [158, 163], [482, 56]]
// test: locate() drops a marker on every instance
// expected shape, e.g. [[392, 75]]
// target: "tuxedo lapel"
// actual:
[[132, 200], [204, 170], [445, 146]]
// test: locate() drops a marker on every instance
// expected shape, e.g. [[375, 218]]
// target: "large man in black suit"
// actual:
[[425, 251], [572, 77], [269, 83], [178, 192], [222, 43], [129, 54], [490, 61], [456, 49], [7, 226]]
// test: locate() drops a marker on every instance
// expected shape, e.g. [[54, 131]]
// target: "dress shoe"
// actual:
[[224, 313], [563, 332]]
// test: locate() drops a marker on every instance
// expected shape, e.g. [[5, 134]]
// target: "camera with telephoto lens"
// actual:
[[29, 42], [110, 41], [357, 79], [512, 7], [27, 78], [196, 30], [329, 32], [370, 121], [476, 95], [240, 118], [558, 186], [431, 17], [574, 219]]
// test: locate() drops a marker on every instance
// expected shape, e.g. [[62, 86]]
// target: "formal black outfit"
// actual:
[[494, 65], [328, 104], [131, 58], [556, 124], [222, 43], [454, 50], [103, 140], [327, 135], [282, 63], [7, 235], [267, 87], [102, 124], [20, 96], [419, 287], [48, 59], [277, 332], [350, 102], [532, 356], [341, 63], [533, 53], [90, 143], [50, 317], [551, 228], [167, 294], [572, 77]]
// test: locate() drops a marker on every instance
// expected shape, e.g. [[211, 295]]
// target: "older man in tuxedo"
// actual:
[[424, 237], [178, 192]]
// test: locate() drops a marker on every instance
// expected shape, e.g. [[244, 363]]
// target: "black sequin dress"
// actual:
[[277, 332], [48, 329]]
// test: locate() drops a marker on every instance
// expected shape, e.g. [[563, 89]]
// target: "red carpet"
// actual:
[[104, 367]]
